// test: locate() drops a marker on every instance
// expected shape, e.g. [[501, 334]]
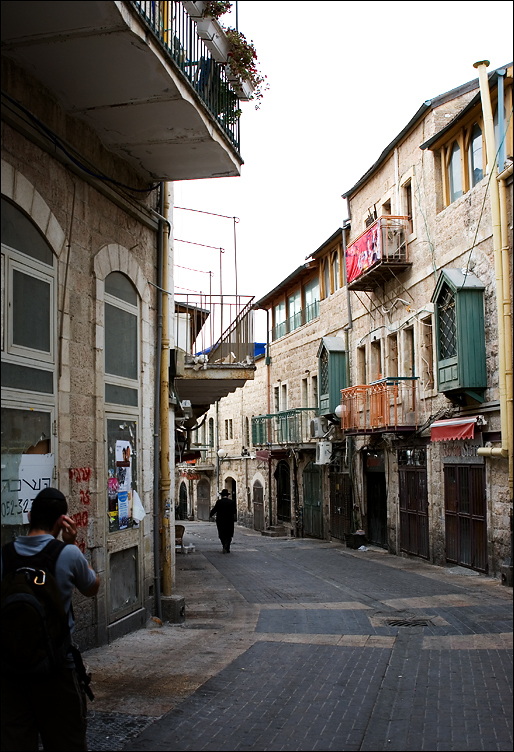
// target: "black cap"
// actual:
[[50, 493]]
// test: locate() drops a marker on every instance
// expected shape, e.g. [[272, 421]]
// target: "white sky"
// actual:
[[345, 78]]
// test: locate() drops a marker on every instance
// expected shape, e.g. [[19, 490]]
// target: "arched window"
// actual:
[[29, 355], [121, 366], [455, 174], [121, 341], [335, 270], [476, 160], [326, 277]]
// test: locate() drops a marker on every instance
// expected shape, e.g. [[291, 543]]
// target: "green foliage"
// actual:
[[242, 60], [216, 9]]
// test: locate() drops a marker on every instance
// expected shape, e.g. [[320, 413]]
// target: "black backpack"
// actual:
[[35, 630]]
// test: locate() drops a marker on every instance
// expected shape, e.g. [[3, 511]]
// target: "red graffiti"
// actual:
[[79, 474], [80, 519], [82, 545], [85, 496]]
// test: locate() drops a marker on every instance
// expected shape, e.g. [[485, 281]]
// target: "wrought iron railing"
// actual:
[[388, 404], [286, 427], [383, 242], [298, 319], [176, 31], [214, 328]]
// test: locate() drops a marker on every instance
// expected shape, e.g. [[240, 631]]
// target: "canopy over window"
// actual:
[[453, 428]]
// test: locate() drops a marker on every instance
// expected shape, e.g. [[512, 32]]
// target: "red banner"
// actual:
[[364, 252]]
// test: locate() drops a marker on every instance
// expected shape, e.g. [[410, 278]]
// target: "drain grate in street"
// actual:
[[408, 622], [202, 626]]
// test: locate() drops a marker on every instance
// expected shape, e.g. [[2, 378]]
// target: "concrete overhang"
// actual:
[[204, 386], [107, 68]]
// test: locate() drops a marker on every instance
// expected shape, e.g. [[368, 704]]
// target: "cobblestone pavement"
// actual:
[[306, 645]]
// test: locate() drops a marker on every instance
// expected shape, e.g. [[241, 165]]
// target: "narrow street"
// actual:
[[306, 645]]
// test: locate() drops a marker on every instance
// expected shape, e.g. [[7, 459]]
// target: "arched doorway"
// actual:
[[203, 499], [258, 506], [312, 506], [283, 478], [231, 486], [182, 503]]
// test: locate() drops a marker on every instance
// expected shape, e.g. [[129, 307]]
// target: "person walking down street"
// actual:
[[43, 679], [225, 510]]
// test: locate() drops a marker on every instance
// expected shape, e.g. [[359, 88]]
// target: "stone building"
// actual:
[[104, 105], [396, 313]]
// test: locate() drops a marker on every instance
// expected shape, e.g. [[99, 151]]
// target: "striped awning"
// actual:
[[453, 428]]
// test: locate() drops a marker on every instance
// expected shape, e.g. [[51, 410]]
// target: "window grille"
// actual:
[[324, 372], [447, 324]]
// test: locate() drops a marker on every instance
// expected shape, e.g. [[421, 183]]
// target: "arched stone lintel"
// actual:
[[116, 258]]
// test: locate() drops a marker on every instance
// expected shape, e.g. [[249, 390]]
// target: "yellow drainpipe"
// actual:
[[168, 514], [497, 248], [502, 178]]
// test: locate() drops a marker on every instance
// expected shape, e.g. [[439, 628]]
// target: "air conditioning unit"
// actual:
[[323, 452], [319, 428]]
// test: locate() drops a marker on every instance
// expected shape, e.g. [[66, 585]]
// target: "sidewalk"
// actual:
[[288, 644]]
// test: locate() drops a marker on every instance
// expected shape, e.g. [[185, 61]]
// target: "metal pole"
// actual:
[[157, 411], [167, 512]]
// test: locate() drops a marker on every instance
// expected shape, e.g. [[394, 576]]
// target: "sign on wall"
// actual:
[[22, 479], [363, 252]]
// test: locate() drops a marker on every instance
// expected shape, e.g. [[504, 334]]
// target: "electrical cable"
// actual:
[[491, 173], [55, 140]]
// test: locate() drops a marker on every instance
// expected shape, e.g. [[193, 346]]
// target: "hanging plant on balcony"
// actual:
[[242, 62], [216, 9]]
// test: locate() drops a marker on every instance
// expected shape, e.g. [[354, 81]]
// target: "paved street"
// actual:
[[306, 645]]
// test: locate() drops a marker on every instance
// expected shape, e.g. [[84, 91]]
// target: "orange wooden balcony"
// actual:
[[389, 405]]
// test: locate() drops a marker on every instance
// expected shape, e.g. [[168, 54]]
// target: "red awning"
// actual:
[[453, 428]]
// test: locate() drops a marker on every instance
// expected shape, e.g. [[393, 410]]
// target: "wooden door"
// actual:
[[258, 506], [203, 491], [312, 502], [414, 511], [465, 516], [340, 505]]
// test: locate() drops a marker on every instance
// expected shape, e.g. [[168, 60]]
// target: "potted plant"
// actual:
[[242, 69]]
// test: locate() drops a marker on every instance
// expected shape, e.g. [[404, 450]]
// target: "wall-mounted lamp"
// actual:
[[338, 411], [222, 454]]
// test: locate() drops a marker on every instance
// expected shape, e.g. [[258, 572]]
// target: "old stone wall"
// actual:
[[91, 236]]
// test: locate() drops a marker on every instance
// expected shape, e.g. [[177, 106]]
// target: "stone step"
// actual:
[[275, 531]]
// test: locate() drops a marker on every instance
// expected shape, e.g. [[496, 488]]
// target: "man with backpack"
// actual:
[[42, 691]]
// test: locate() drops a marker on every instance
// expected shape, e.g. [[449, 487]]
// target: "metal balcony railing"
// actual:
[[300, 318], [176, 31], [386, 405], [379, 252], [286, 427], [215, 329]]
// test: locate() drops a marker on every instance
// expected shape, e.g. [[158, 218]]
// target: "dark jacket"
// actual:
[[225, 510]]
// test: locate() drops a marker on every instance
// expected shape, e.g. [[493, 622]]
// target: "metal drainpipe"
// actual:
[[345, 278], [157, 411], [487, 111], [268, 369], [217, 449], [168, 513], [508, 321]]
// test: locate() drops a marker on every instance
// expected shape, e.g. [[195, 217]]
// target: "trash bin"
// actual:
[[356, 539]]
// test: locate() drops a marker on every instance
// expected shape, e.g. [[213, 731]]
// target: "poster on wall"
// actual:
[[122, 480], [23, 477], [364, 252]]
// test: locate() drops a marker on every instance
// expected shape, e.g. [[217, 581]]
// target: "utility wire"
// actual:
[[491, 173], [55, 140]]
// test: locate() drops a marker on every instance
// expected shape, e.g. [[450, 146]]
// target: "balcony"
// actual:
[[378, 255], [296, 321], [283, 428], [215, 346], [139, 75], [386, 406]]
